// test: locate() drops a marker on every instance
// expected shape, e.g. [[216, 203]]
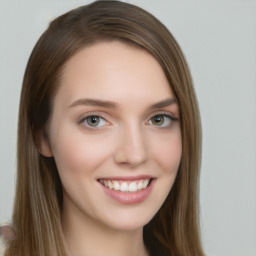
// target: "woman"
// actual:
[[108, 140]]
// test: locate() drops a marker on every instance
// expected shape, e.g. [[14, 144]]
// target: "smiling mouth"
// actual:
[[126, 186]]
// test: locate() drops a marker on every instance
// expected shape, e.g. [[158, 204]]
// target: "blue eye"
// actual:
[[161, 120], [94, 121]]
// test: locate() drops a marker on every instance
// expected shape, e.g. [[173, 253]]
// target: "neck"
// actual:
[[86, 236]]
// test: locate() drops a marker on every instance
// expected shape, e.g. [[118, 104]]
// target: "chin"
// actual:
[[128, 219]]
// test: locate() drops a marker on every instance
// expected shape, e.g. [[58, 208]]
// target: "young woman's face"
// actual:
[[115, 136]]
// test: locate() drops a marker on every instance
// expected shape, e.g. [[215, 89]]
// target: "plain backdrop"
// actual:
[[219, 41]]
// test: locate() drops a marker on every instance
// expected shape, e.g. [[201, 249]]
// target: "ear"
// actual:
[[43, 143]]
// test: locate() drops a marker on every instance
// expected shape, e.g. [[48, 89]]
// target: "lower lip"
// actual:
[[127, 197]]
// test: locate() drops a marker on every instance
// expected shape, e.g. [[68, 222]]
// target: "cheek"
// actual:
[[76, 153], [167, 153]]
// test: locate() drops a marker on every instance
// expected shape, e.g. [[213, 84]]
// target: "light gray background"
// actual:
[[219, 41]]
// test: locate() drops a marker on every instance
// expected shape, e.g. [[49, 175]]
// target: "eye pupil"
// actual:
[[93, 120], [158, 120]]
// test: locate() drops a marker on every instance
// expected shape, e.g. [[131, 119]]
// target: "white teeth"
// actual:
[[145, 183], [110, 185], [125, 186], [116, 185], [140, 185], [133, 187]]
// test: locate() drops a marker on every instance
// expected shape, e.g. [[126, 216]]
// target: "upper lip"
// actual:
[[127, 178]]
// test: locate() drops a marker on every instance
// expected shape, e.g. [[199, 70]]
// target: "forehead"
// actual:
[[113, 71]]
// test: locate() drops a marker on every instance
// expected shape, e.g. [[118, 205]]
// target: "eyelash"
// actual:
[[168, 116], [165, 116], [85, 119]]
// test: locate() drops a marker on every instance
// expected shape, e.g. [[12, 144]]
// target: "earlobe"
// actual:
[[43, 144]]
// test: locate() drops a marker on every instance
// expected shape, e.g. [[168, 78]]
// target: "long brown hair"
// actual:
[[37, 208]]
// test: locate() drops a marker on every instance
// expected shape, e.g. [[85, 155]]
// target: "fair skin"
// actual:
[[114, 119]]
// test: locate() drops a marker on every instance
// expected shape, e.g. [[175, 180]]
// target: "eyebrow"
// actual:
[[94, 102], [113, 105], [164, 103]]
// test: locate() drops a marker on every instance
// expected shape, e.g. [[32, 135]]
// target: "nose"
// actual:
[[131, 147]]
